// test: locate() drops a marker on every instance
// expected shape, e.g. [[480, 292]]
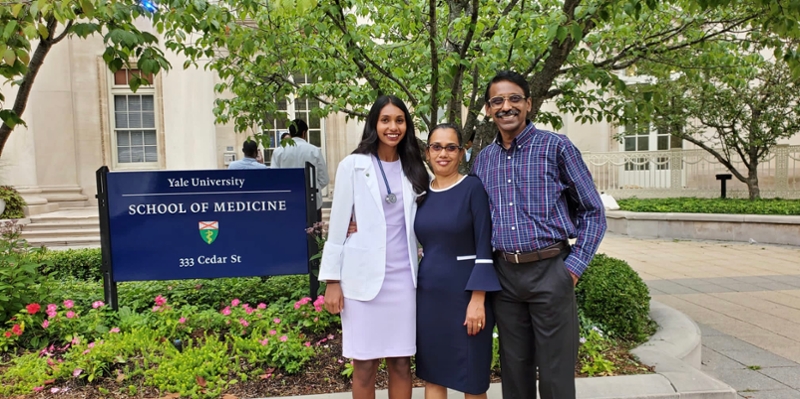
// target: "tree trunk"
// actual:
[[752, 181], [21, 102]]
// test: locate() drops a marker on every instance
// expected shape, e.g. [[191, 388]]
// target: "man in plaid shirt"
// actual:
[[541, 194]]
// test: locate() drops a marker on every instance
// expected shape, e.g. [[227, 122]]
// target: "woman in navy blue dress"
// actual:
[[454, 321]]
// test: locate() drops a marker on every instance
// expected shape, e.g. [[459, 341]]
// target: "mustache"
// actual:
[[512, 112]]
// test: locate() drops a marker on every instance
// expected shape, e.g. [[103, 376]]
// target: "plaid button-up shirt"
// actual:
[[540, 193]]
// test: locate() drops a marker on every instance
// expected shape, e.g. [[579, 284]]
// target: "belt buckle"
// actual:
[[516, 257]]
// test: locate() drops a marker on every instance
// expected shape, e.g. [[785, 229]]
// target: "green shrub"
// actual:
[[14, 203], [612, 294], [82, 264], [212, 293], [19, 276], [774, 206]]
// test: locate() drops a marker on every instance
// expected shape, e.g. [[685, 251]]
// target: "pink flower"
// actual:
[[272, 332], [244, 322], [264, 342], [114, 330], [51, 314], [37, 389], [91, 345], [262, 306], [276, 320], [75, 341], [316, 319], [318, 308], [284, 338], [7, 334], [297, 305], [52, 307], [45, 324], [308, 344], [182, 320], [86, 352], [17, 330], [156, 308], [235, 302], [70, 314], [97, 304], [77, 372], [249, 310], [226, 311], [341, 361], [69, 304], [160, 300]]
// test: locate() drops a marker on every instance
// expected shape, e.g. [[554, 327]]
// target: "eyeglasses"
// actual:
[[514, 99], [448, 148]]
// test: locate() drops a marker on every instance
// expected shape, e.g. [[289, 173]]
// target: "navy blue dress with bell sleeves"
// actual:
[[454, 227]]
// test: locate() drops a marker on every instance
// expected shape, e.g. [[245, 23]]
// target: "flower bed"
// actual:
[[241, 350], [189, 339]]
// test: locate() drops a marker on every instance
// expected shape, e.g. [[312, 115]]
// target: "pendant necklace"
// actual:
[[390, 197]]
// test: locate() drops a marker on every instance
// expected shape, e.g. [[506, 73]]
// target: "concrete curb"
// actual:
[[766, 229], [674, 350]]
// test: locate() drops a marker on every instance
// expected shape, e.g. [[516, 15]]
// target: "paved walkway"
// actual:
[[745, 297]]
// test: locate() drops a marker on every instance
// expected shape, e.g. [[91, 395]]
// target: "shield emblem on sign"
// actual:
[[209, 231]]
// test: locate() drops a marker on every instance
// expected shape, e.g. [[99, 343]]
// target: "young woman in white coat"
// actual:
[[371, 275]]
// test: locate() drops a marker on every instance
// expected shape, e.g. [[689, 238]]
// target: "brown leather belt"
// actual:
[[533, 256]]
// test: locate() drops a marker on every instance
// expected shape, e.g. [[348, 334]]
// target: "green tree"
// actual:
[[29, 29], [438, 54], [736, 108]]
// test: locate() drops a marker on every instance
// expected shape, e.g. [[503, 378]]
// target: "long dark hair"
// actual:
[[407, 148]]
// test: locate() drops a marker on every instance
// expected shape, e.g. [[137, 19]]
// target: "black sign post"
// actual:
[[109, 285], [311, 218], [723, 178]]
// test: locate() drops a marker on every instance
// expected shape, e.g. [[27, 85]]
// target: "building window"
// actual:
[[294, 108], [637, 138], [134, 120], [643, 137]]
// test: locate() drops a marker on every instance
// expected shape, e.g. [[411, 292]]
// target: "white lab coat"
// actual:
[[359, 261]]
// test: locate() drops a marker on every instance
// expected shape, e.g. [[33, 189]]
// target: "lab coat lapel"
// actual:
[[371, 176]]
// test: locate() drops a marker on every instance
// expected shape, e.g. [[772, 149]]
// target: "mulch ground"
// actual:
[[323, 374]]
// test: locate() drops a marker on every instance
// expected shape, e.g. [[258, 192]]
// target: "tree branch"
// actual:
[[63, 34], [434, 62], [21, 102], [350, 112]]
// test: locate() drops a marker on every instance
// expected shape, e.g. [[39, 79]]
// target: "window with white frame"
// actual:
[[134, 120], [643, 137], [294, 108]]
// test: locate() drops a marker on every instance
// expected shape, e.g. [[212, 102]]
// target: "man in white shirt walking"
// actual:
[[250, 149], [296, 156]]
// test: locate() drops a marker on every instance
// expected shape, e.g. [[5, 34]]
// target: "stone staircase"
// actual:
[[67, 227]]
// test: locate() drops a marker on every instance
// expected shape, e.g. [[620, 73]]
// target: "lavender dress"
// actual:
[[385, 326]]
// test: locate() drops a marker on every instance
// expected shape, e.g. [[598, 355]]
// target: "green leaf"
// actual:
[[16, 9], [10, 28], [88, 8], [9, 57], [43, 31], [576, 30], [10, 118], [561, 34]]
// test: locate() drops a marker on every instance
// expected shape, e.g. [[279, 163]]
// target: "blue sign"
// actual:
[[171, 225]]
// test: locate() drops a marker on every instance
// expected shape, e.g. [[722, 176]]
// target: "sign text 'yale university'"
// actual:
[[206, 224]]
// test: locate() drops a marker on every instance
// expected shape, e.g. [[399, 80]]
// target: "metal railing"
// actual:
[[690, 173]]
